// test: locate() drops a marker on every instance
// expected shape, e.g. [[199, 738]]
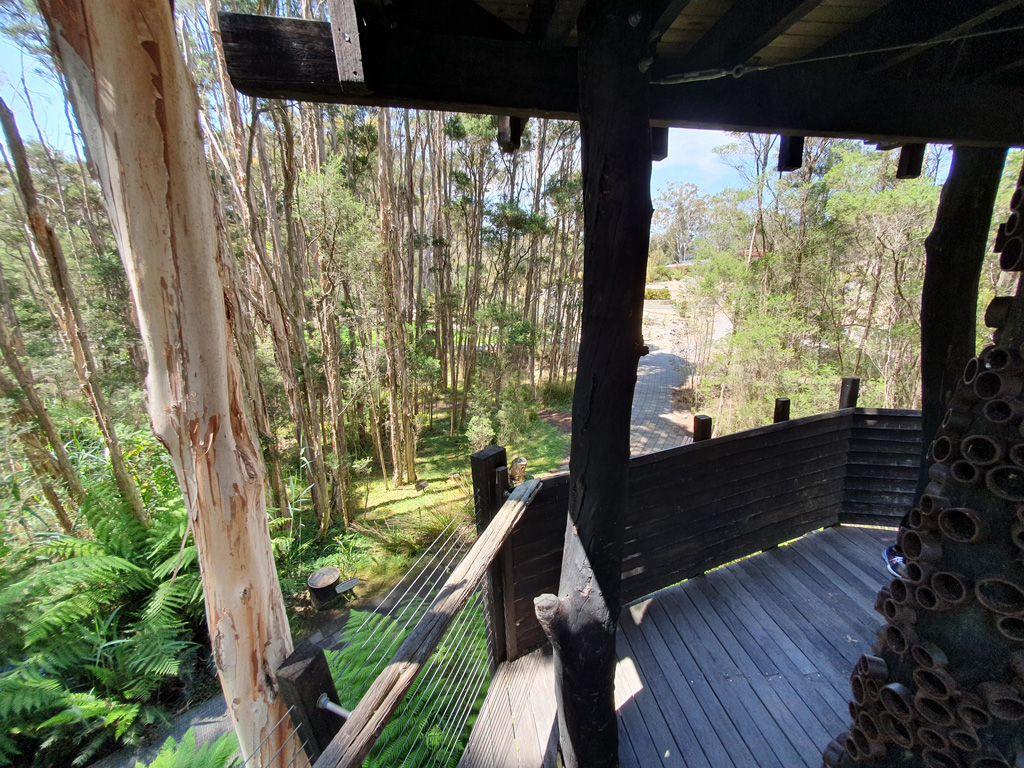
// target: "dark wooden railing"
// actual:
[[364, 724], [701, 505]]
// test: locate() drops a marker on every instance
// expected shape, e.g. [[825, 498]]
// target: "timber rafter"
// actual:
[[293, 59]]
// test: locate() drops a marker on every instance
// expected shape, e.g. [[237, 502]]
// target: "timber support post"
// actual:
[[849, 391], [703, 427], [781, 410], [488, 496], [614, 38], [954, 254], [302, 679]]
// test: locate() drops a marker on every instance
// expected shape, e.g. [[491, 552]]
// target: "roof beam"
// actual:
[[746, 28], [347, 53], [914, 21], [552, 21], [665, 12], [293, 59]]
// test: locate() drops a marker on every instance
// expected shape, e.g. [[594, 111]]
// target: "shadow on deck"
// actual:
[[747, 665]]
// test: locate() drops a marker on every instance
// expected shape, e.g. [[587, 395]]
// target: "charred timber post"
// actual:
[[510, 133], [954, 254], [303, 679], [487, 500], [614, 37], [703, 427], [848, 392], [781, 410]]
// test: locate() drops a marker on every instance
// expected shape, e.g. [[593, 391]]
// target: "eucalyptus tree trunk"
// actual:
[[12, 348], [244, 194], [42, 463], [403, 450], [137, 108], [48, 247]]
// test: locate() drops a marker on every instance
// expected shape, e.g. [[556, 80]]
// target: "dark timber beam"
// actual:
[[510, 133], [746, 28], [580, 622], [916, 21], [347, 53], [664, 12], [659, 143], [791, 153], [954, 254], [293, 59], [911, 161], [551, 21]]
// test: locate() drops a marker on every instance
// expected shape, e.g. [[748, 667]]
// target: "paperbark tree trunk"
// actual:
[[581, 621], [46, 244], [137, 108]]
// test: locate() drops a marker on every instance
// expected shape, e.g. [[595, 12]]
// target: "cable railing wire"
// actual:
[[412, 613], [457, 660], [411, 605], [454, 675], [456, 732], [465, 675]]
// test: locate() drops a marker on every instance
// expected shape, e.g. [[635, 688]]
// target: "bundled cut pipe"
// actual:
[[944, 684], [961, 525], [982, 450]]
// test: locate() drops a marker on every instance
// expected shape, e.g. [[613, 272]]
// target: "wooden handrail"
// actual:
[[353, 742]]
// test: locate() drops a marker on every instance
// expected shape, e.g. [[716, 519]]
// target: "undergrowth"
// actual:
[[433, 722]]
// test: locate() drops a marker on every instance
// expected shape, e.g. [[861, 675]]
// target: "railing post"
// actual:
[[701, 428], [488, 496], [302, 679], [781, 409], [848, 392]]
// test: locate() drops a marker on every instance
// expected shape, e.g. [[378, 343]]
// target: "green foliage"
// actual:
[[222, 753], [514, 413], [98, 629], [431, 726], [557, 394], [658, 294]]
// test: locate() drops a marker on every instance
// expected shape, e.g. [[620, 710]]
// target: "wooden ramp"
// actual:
[[747, 665]]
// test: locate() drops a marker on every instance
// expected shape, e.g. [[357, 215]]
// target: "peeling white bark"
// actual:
[[137, 109]]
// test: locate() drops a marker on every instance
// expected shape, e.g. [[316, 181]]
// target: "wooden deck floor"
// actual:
[[745, 666]]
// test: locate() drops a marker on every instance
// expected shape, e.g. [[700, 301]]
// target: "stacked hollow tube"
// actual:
[[944, 683]]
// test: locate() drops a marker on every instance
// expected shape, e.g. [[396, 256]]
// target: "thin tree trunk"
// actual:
[[137, 107], [48, 246]]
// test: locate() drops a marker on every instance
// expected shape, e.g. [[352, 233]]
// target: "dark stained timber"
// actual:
[[745, 666], [743, 493], [294, 59], [616, 161]]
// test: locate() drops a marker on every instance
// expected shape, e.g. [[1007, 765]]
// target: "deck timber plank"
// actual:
[[650, 652], [745, 666], [712, 654], [671, 735], [803, 728]]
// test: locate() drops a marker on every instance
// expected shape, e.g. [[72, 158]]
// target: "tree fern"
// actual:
[[420, 732], [93, 627], [222, 753]]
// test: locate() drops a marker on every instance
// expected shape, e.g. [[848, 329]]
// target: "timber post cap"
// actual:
[[325, 577], [546, 606]]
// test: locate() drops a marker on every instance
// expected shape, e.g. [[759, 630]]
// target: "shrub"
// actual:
[[658, 294], [557, 395], [514, 414]]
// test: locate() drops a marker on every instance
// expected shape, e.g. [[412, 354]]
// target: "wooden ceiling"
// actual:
[[897, 71]]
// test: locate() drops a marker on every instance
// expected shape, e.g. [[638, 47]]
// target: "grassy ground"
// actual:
[[393, 524]]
